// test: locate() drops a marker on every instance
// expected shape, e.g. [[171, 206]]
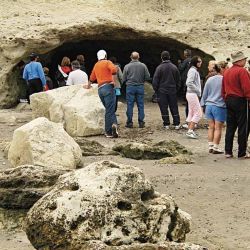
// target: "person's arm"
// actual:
[[178, 79], [205, 94], [92, 79], [156, 79], [245, 82], [69, 80], [223, 92], [41, 74], [112, 68], [147, 74], [119, 74], [25, 74], [124, 75], [182, 66]]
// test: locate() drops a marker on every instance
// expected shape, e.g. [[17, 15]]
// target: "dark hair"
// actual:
[[194, 61], [75, 64], [33, 56], [113, 59], [188, 52], [80, 59], [165, 55], [217, 68]]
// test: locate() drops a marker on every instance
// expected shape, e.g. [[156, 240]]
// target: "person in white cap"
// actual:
[[236, 93], [103, 72]]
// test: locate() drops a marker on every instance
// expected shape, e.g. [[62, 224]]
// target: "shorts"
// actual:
[[215, 113]]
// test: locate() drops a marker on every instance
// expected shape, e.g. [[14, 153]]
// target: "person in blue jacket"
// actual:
[[34, 76]]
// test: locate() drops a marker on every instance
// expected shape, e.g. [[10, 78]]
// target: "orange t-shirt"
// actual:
[[103, 72]]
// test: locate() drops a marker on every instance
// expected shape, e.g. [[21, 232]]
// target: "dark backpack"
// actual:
[[61, 80]]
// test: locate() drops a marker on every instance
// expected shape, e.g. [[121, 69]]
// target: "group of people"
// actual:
[[223, 97]]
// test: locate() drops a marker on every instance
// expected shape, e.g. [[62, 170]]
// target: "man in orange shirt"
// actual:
[[103, 72]]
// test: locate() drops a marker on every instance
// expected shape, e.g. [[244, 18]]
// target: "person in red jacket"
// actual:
[[236, 93]]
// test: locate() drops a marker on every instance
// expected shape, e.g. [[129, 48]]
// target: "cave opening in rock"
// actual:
[[121, 48]]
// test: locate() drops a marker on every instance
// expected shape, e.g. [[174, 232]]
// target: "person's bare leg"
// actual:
[[191, 125], [217, 137], [210, 135]]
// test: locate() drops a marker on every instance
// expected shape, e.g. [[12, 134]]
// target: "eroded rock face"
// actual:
[[107, 202], [151, 151], [226, 23], [22, 186], [45, 143], [79, 109]]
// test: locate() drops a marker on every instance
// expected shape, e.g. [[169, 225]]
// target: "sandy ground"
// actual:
[[214, 190]]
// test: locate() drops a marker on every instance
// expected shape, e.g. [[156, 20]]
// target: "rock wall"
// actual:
[[215, 27]]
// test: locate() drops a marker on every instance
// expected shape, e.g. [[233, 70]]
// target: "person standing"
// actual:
[[117, 80], [34, 75], [236, 93], [103, 72], [193, 93], [183, 69], [81, 60], [135, 74], [77, 76], [166, 82], [215, 110]]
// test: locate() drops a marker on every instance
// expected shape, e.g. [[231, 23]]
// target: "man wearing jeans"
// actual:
[[103, 72], [135, 74], [236, 93]]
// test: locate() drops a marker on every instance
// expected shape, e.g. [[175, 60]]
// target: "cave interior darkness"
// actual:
[[149, 50]]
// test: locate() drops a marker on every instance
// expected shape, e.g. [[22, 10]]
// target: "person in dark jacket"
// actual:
[[166, 82], [183, 67]]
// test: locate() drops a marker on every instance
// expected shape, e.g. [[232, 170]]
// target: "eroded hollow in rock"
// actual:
[[120, 46]]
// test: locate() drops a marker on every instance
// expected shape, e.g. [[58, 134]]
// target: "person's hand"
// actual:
[[86, 86]]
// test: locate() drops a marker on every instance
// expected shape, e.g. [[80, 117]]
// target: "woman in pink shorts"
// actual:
[[193, 83]]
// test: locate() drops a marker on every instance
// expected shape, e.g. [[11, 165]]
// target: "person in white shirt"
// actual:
[[77, 76]]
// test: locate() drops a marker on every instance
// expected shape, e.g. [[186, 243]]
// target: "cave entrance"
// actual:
[[148, 48]]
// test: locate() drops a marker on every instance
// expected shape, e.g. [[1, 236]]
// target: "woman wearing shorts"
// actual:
[[193, 83], [215, 110]]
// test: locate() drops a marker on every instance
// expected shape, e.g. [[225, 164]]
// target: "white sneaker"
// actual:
[[185, 125], [166, 127], [192, 135], [177, 127]]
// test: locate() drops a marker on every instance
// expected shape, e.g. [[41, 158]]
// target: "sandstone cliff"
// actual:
[[215, 27]]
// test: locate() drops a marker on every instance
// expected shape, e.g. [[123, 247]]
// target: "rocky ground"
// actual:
[[215, 191]]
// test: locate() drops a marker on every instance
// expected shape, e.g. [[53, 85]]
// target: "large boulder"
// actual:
[[79, 109], [159, 150], [22, 186], [45, 143], [105, 202]]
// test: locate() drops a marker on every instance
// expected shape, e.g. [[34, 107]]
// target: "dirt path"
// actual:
[[214, 190]]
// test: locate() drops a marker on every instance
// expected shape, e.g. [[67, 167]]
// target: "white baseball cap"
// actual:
[[101, 54]]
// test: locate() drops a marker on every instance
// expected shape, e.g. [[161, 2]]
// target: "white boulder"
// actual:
[[45, 143], [79, 109], [106, 202]]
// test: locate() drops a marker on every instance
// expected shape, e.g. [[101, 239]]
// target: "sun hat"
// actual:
[[238, 56], [101, 54]]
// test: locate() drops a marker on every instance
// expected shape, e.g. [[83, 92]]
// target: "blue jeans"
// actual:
[[135, 93], [107, 96]]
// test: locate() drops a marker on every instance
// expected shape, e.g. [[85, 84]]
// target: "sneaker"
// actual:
[[166, 127], [114, 131], [192, 135], [141, 124], [217, 151], [185, 126], [108, 136], [228, 156], [129, 125], [177, 127]]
